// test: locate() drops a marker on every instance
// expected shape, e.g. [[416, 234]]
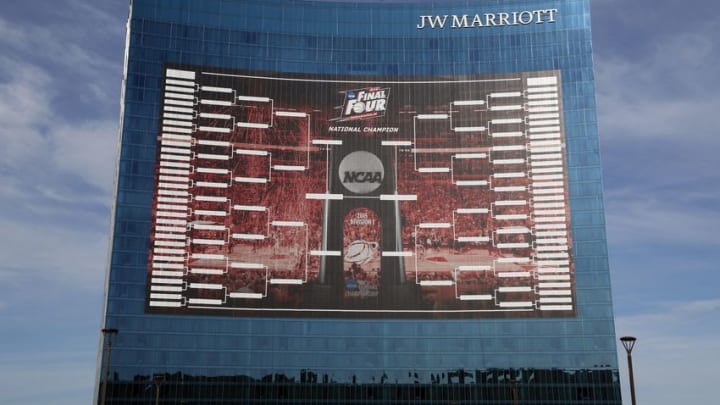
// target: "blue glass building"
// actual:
[[549, 340]]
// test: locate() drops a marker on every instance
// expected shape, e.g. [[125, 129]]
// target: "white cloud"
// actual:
[[638, 216], [42, 150], [24, 110], [62, 43], [108, 17], [80, 74], [658, 122], [667, 318], [71, 255], [40, 140], [61, 378], [664, 85], [56, 170], [88, 151], [658, 117], [666, 92]]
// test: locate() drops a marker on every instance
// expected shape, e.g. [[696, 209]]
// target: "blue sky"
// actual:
[[659, 108]]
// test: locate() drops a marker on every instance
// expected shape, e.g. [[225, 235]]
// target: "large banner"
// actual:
[[379, 197]]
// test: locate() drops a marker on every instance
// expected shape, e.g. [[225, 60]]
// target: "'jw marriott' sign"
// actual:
[[487, 19]]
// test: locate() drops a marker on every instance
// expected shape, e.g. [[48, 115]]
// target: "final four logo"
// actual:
[[366, 103]]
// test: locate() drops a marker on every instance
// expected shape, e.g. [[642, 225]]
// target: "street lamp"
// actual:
[[514, 392], [107, 338], [628, 343], [158, 379]]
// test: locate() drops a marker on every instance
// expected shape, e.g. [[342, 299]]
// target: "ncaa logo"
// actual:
[[361, 172]]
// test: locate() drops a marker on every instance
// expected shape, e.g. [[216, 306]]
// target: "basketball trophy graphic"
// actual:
[[360, 251], [365, 227]]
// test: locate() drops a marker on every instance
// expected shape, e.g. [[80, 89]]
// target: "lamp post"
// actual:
[[107, 338], [514, 392], [158, 379], [628, 343]]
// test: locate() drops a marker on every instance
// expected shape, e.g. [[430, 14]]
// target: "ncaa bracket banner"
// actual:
[[378, 197]]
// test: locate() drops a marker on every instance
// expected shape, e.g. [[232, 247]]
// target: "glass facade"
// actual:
[[199, 356]]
